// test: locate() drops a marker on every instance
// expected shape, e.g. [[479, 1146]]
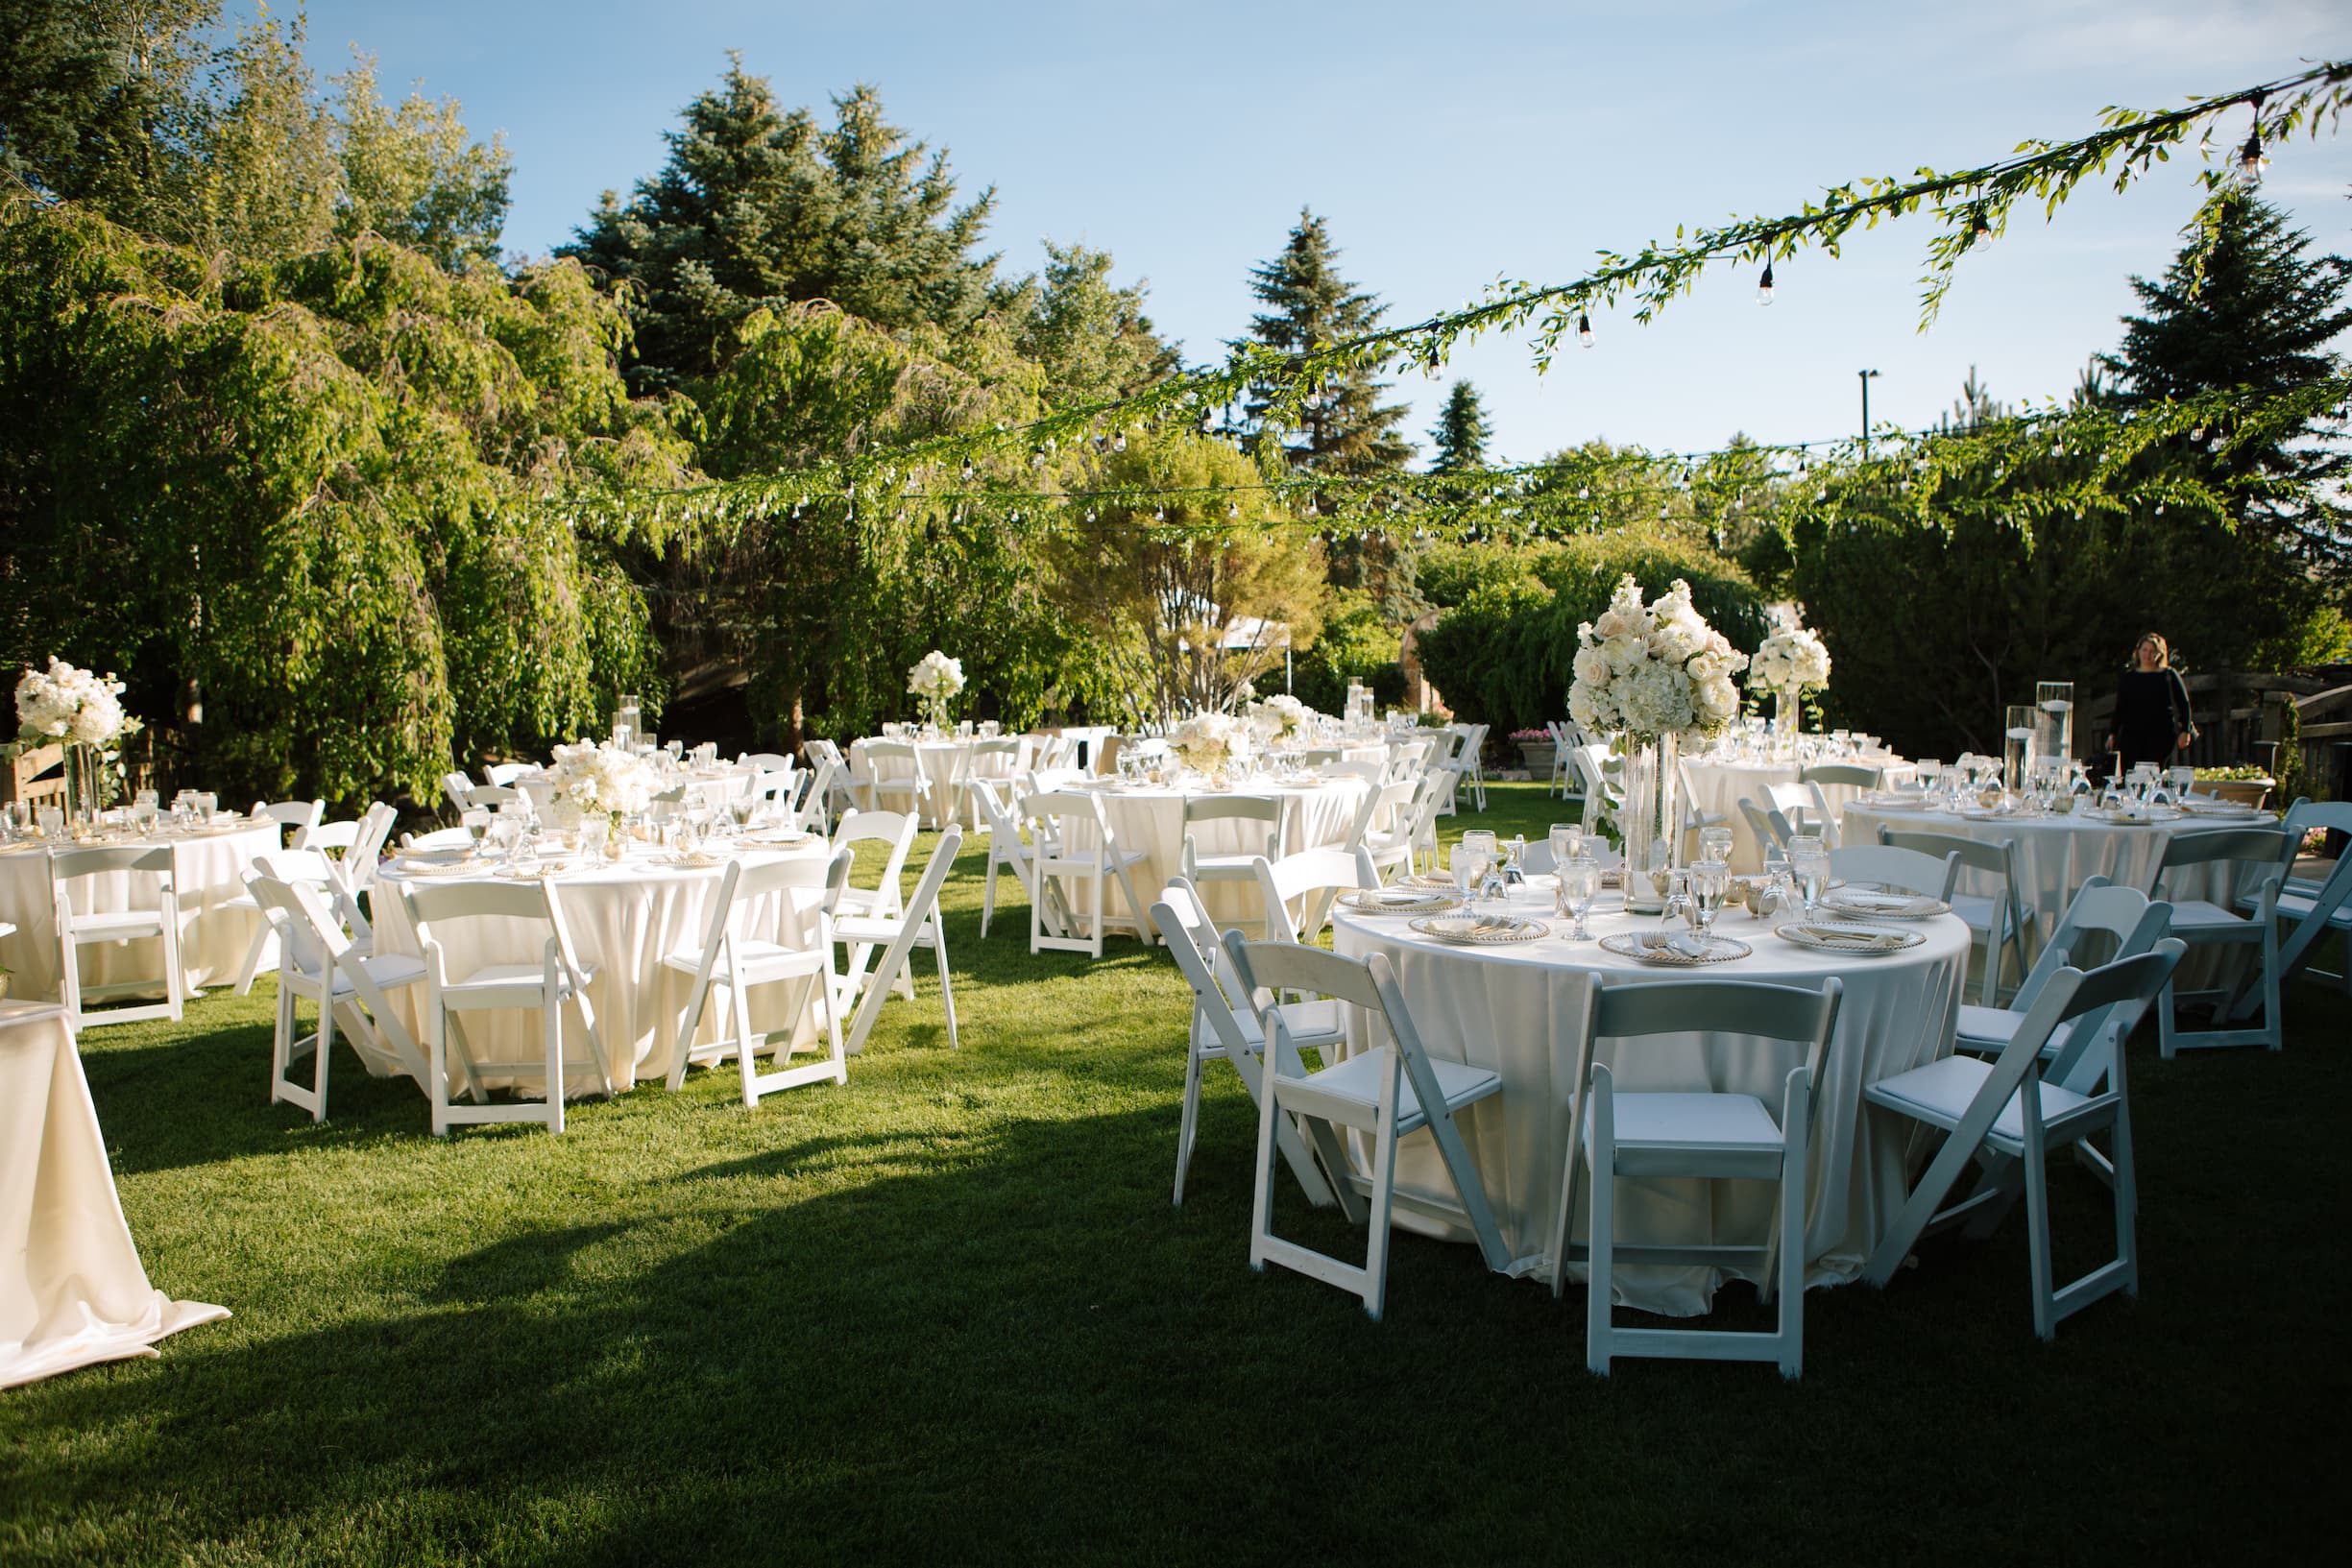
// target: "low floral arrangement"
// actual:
[[70, 704], [2235, 773], [601, 778], [1211, 742], [934, 680], [1791, 659], [1532, 737], [1653, 669], [1280, 716]]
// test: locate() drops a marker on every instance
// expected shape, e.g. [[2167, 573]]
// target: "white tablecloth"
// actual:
[[943, 762], [1718, 786], [623, 919], [72, 1290], [207, 871], [1517, 1010], [1151, 819]]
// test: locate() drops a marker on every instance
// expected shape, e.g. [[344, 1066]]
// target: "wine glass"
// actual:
[[1710, 883], [1808, 860], [1579, 885], [1567, 843], [1468, 867], [1715, 846]]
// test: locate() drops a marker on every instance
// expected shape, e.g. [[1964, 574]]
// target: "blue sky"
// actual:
[[1449, 144]]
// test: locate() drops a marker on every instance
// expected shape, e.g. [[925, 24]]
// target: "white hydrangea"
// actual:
[[935, 676], [68, 702], [1211, 742], [1791, 658], [1279, 717], [1653, 669], [601, 778]]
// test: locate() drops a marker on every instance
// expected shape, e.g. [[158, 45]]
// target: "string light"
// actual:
[[1118, 443], [967, 470], [1763, 286], [2249, 157], [1584, 329]]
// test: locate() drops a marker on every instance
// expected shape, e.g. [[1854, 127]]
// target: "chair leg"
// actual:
[[1599, 1266], [437, 1063], [1383, 1199], [1188, 1122], [2165, 1043], [987, 897], [1261, 1198], [2037, 1236], [327, 1043], [947, 986], [2126, 1203], [282, 1043], [553, 1027], [1795, 1131], [251, 969]]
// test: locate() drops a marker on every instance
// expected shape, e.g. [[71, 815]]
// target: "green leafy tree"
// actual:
[[2259, 313], [1462, 432], [269, 180], [1093, 340], [758, 209], [412, 173], [1356, 644]]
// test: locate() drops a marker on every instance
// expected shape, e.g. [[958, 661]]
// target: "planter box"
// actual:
[[1537, 757], [2252, 791]]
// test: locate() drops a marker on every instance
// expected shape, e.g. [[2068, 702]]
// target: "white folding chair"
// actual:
[[1710, 1135], [2003, 921], [1806, 810], [2264, 853], [1008, 852], [294, 818], [744, 945], [458, 787], [443, 915], [1298, 890], [764, 761], [1473, 750], [816, 808], [1066, 818], [307, 866], [440, 841], [2008, 1116], [1383, 829], [1696, 820], [896, 831], [1225, 1029], [996, 759], [1232, 866], [1565, 779], [894, 772], [319, 961], [2104, 923], [836, 784], [1850, 775], [1436, 786], [1388, 1092], [1769, 826], [2319, 907], [918, 927], [1899, 869], [81, 924], [1602, 798]]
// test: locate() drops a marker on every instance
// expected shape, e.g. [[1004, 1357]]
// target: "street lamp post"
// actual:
[[1867, 375]]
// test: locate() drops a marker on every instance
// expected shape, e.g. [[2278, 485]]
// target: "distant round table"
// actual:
[[624, 918], [946, 762], [1518, 1011], [1718, 786], [1151, 818]]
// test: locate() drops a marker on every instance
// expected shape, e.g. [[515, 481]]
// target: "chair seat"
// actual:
[[1212, 867], [390, 973], [1312, 1023], [2196, 919], [508, 985], [753, 958], [2299, 906], [879, 930], [1991, 1028], [1940, 1092], [116, 924], [1975, 910], [1692, 1123], [1057, 862], [1359, 1079]]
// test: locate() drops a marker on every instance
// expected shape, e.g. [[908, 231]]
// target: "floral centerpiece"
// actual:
[[1662, 677], [1280, 718], [1211, 743], [934, 680], [602, 780], [68, 704], [1788, 663]]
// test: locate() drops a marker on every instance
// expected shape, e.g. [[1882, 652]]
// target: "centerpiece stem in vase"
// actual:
[[84, 792], [1651, 820]]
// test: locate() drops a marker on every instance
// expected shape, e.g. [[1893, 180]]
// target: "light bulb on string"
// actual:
[[1118, 443], [967, 470], [2250, 160], [1763, 286], [1584, 329]]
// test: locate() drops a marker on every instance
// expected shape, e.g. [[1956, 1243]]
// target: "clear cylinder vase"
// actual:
[[1788, 713], [1651, 820], [83, 798]]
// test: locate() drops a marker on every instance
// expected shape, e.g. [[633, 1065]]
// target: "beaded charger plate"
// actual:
[[1858, 903], [1658, 948], [1840, 936], [1396, 900], [1465, 931]]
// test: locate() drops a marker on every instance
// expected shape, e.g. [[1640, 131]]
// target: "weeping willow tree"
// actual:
[[293, 501]]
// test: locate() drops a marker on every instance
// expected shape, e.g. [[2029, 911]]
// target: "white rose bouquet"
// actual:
[[1211, 742], [1655, 669], [1792, 660], [70, 704], [601, 778], [934, 680], [1280, 718]]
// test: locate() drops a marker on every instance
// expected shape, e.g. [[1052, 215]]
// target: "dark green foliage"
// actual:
[[1462, 432], [1355, 643], [1504, 656], [759, 209]]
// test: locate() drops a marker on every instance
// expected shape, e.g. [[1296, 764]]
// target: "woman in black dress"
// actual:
[[2151, 708]]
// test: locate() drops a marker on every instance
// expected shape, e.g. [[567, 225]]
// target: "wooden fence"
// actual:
[[2246, 717]]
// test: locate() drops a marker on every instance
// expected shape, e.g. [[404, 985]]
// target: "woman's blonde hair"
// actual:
[[2164, 649]]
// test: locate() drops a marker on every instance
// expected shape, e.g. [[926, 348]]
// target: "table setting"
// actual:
[[1748, 758]]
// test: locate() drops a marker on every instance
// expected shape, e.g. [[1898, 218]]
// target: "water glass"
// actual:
[[1579, 886], [1567, 843], [1808, 860], [1715, 846], [1710, 883]]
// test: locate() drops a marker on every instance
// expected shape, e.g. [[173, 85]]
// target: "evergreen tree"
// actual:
[[1343, 426], [1093, 340], [761, 208], [2260, 319], [1462, 432]]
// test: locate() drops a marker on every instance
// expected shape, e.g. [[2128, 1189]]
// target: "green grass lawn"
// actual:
[[948, 1311]]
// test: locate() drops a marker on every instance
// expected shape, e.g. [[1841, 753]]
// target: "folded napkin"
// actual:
[[1879, 903], [1687, 943], [1858, 941]]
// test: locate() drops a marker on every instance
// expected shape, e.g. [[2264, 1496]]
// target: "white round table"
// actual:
[[1518, 1011], [1151, 818], [208, 868], [624, 917], [946, 762], [1718, 784]]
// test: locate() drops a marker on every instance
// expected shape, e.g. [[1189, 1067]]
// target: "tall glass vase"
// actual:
[[83, 798], [1651, 820], [1787, 715]]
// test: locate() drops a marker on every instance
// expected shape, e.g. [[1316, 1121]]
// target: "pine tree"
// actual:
[[2259, 319], [1462, 432], [757, 208], [1343, 427]]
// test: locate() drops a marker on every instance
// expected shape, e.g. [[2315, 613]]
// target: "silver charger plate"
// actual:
[[1629, 944], [1849, 937], [1458, 931], [1390, 901], [1866, 903]]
